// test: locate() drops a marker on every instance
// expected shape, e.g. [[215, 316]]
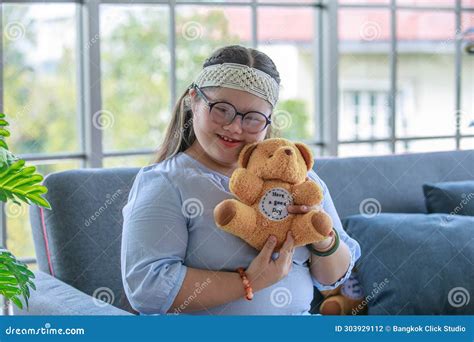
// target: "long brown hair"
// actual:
[[180, 133]]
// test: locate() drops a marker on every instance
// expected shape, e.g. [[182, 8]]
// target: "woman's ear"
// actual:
[[245, 154], [307, 154]]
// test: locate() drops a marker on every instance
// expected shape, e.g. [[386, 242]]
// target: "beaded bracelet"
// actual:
[[246, 282], [330, 250]]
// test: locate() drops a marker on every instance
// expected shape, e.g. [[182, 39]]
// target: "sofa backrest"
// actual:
[[390, 183], [79, 240]]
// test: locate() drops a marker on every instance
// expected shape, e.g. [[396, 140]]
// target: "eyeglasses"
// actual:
[[224, 113]]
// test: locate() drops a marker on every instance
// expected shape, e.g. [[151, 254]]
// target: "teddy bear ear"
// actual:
[[245, 154], [307, 155]]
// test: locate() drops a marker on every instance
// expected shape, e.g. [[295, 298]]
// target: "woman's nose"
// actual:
[[235, 126]]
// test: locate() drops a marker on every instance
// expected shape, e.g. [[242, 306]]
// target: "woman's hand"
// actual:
[[263, 271], [303, 209]]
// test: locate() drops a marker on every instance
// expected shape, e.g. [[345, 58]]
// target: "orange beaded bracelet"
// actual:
[[246, 282]]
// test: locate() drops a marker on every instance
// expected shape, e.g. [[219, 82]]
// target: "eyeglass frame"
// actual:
[[237, 113]]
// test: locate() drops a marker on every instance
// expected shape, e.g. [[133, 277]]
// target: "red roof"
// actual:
[[296, 24]]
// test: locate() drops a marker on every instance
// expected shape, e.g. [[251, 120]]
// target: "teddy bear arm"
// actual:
[[307, 193], [245, 185]]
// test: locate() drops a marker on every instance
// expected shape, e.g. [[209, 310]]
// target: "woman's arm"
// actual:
[[203, 289], [328, 270]]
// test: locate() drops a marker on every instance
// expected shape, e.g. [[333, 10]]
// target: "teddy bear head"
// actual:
[[277, 159]]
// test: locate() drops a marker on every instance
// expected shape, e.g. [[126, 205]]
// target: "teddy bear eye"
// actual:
[[271, 155]]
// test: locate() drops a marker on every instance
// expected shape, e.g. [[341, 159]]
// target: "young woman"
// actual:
[[174, 258]]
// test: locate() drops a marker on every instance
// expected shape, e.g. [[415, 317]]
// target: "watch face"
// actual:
[[273, 204], [352, 289]]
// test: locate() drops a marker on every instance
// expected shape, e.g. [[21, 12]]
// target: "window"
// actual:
[[135, 62], [295, 62], [407, 54], [40, 97], [39, 77]]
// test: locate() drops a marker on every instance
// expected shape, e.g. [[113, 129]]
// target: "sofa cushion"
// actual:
[[414, 264], [456, 198]]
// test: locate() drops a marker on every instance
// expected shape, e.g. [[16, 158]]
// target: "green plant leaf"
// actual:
[[20, 184], [15, 279], [4, 132]]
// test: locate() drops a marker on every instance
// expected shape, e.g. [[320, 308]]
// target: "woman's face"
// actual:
[[209, 134]]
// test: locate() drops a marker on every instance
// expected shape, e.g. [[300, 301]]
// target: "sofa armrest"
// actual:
[[54, 297]]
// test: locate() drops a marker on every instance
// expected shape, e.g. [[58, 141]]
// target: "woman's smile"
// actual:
[[228, 142]]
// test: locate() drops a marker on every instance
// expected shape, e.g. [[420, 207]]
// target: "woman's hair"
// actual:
[[180, 133]]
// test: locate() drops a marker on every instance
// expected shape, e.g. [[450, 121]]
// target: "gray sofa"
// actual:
[[78, 242]]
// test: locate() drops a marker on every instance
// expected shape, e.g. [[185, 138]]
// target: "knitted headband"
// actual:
[[240, 77]]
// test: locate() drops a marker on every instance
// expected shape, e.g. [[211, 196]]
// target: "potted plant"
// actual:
[[18, 183]]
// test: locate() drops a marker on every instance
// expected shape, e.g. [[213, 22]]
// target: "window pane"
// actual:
[[426, 145], [431, 3], [362, 2], [20, 240], [317, 151], [467, 97], [292, 1], [40, 77], [216, 1], [33, 267], [467, 144], [200, 31], [286, 35], [426, 67], [468, 3], [135, 75], [131, 161], [364, 70], [363, 149]]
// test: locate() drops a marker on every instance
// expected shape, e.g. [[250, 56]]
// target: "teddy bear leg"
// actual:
[[332, 306], [236, 218], [311, 227], [321, 222]]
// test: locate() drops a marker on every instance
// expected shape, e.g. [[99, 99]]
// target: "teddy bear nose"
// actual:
[[288, 151]]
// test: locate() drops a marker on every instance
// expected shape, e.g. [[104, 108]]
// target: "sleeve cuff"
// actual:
[[174, 291]]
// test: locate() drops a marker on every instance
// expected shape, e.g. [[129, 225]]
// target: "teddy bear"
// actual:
[[346, 299], [271, 175]]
